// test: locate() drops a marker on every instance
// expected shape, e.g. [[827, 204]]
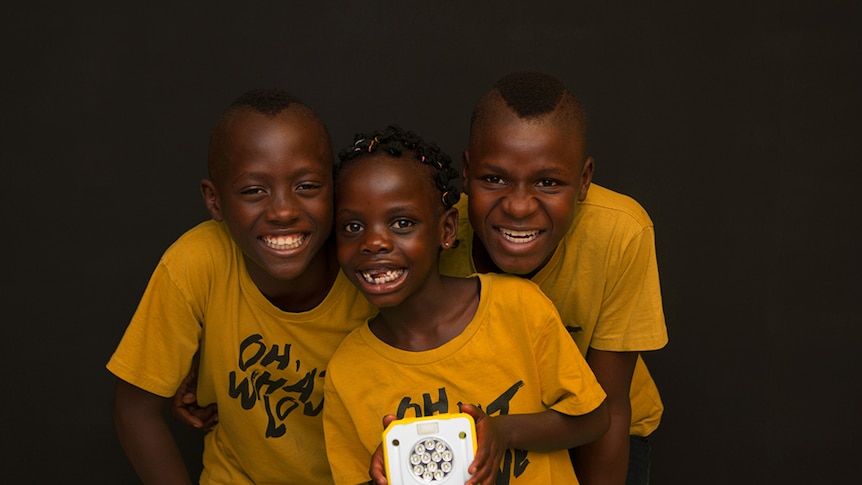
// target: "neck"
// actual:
[[307, 290], [430, 319]]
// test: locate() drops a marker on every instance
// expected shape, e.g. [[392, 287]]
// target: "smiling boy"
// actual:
[[258, 292], [532, 211]]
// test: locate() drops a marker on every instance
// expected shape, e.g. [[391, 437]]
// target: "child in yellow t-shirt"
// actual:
[[492, 343], [258, 293], [533, 212]]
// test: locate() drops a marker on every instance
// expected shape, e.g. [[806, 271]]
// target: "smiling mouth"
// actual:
[[290, 241], [519, 237], [381, 277]]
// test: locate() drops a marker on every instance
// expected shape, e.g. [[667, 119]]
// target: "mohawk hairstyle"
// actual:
[[531, 93], [395, 141]]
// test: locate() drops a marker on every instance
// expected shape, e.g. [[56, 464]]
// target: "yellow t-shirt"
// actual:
[[514, 357], [603, 279], [263, 366]]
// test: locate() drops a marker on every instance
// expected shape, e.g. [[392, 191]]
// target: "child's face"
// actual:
[[389, 225], [272, 184], [523, 179]]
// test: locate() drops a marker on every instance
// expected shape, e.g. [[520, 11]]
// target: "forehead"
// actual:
[[290, 137], [381, 175], [505, 138]]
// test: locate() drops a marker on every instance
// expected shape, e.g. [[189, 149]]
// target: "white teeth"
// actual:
[[284, 242], [377, 279], [519, 236]]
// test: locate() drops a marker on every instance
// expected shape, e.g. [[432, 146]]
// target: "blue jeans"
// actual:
[[638, 473]]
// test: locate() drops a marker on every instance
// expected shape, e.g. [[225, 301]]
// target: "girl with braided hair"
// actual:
[[440, 342]]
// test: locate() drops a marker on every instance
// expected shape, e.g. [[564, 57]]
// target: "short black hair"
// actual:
[[532, 95], [395, 141], [267, 101]]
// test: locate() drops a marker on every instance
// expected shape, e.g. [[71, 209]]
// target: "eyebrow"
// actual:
[[302, 172], [389, 212], [544, 171]]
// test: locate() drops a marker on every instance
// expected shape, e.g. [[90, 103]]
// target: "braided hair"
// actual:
[[395, 141]]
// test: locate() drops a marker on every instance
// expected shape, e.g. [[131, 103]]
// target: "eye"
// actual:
[[402, 224], [493, 179], [352, 227], [308, 189], [252, 191], [548, 183], [308, 186]]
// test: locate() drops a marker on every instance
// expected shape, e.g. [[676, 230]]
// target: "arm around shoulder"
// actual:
[[145, 436]]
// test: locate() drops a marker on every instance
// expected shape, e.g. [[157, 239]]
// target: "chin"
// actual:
[[382, 301], [520, 265], [290, 271]]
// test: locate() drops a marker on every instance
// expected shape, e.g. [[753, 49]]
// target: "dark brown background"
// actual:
[[736, 124]]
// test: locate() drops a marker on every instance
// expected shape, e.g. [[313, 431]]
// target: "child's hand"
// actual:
[[490, 448], [377, 472], [184, 405]]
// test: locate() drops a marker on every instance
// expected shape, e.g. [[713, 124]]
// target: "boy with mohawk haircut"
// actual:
[[532, 211]]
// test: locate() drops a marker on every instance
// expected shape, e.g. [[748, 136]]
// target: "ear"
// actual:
[[586, 178], [449, 228], [211, 200], [465, 170]]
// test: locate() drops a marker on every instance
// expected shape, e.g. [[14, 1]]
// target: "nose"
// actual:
[[376, 242], [283, 207], [519, 202]]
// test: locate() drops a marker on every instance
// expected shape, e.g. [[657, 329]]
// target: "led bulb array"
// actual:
[[433, 450]]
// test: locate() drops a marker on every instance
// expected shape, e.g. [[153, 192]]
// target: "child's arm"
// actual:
[[145, 436], [184, 405], [605, 462], [545, 431]]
